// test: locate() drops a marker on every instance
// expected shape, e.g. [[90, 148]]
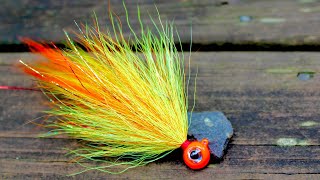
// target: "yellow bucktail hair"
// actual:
[[124, 99]]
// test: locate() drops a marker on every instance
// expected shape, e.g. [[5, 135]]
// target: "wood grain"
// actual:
[[258, 91], [283, 22]]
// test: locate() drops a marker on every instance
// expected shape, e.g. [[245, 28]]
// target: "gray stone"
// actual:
[[215, 127]]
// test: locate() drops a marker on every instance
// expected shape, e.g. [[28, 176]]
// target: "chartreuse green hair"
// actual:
[[125, 99]]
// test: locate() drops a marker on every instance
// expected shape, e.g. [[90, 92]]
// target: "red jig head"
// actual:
[[196, 155]]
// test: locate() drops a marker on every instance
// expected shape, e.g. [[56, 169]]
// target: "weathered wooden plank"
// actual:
[[152, 171], [275, 70], [263, 93], [47, 158], [259, 92], [213, 21], [50, 150], [275, 118], [218, 175], [269, 159]]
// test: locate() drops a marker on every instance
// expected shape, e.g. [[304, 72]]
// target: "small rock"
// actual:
[[215, 127]]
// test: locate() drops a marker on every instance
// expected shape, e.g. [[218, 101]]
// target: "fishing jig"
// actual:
[[126, 100]]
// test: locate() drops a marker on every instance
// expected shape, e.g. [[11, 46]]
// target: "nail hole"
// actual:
[[224, 3], [245, 18], [304, 76]]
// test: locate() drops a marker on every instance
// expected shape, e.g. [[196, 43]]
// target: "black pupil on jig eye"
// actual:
[[195, 154]]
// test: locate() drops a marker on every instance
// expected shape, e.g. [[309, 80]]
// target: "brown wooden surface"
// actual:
[[287, 22], [258, 91]]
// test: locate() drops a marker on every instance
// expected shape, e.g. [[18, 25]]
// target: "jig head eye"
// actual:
[[196, 154]]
